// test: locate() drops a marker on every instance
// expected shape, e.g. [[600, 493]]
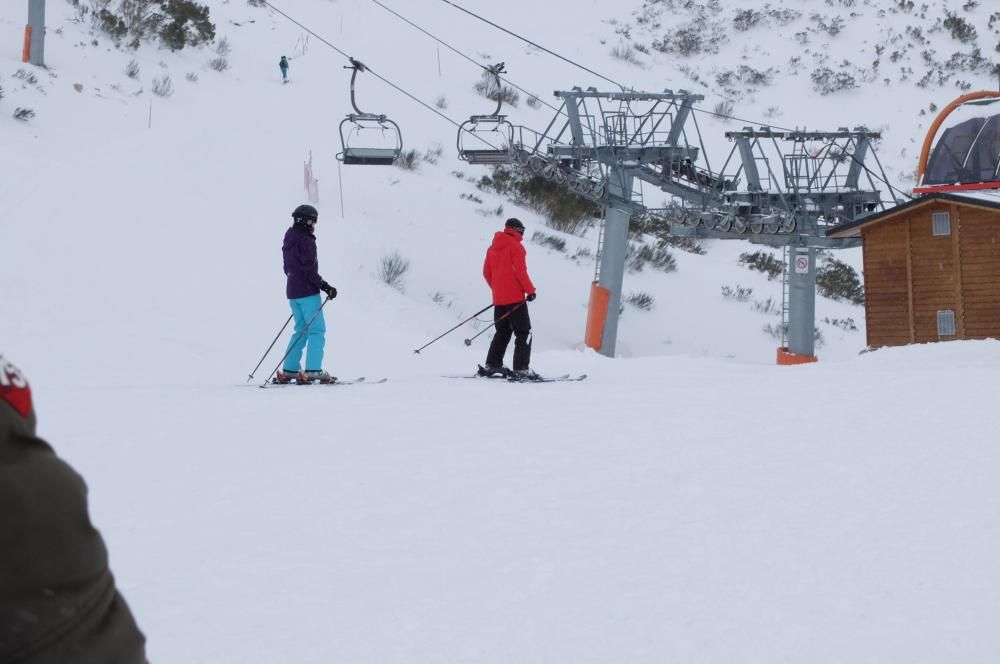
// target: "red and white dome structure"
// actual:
[[962, 149]]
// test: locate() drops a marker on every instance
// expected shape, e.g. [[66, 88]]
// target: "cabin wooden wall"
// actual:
[[911, 274]]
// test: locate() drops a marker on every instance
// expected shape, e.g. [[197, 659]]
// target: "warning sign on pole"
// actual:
[[802, 264]]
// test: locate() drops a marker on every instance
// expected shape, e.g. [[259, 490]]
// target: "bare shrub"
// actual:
[[640, 300], [640, 254], [224, 48], [550, 241], [625, 53], [191, 76], [132, 69], [219, 64], [826, 81], [408, 160], [163, 87], [23, 114], [487, 87], [392, 269], [433, 154], [738, 293], [533, 102], [441, 102]]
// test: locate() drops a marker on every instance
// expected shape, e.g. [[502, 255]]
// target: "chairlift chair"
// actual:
[[357, 143], [487, 139]]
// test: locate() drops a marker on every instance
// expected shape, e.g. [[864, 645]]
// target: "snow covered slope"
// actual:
[[690, 501]]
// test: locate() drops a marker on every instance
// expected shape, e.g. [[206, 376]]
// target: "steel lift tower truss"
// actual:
[[782, 189]]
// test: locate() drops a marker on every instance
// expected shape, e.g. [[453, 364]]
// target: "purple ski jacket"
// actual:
[[301, 264]]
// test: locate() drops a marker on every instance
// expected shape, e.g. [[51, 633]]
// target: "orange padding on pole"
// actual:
[[597, 314], [788, 359], [26, 55]]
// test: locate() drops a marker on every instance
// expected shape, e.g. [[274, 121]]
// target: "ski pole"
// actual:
[[468, 342], [417, 351], [297, 339], [280, 332]]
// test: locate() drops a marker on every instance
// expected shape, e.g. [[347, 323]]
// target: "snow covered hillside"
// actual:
[[688, 502]]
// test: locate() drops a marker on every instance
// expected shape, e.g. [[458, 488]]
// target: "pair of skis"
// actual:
[[511, 378], [353, 381]]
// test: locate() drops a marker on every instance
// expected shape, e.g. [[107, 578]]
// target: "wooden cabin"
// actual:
[[931, 268]]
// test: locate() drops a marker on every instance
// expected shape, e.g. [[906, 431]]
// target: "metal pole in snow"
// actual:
[[36, 20]]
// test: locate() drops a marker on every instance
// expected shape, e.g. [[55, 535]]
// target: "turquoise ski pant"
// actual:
[[314, 339]]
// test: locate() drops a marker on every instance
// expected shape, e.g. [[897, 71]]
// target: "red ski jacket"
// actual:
[[505, 269]]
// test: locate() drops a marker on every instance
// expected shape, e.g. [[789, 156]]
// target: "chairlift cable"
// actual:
[[470, 59], [576, 64], [370, 71], [536, 45]]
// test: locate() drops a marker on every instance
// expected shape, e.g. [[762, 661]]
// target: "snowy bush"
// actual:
[[23, 114], [625, 53], [487, 87], [191, 76], [846, 324], [826, 81], [762, 261], [768, 307], [392, 268], [746, 19], [433, 154], [550, 241], [408, 160], [724, 109], [640, 254], [132, 69], [533, 102], [739, 293], [839, 281], [26, 76], [641, 300], [1, 92], [257, 3], [163, 87], [219, 64], [224, 48], [959, 28], [441, 102]]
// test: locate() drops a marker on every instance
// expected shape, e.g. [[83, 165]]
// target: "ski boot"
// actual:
[[490, 371], [318, 376], [524, 375], [285, 377]]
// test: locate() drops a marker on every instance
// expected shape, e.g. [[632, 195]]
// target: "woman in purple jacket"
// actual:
[[303, 289]]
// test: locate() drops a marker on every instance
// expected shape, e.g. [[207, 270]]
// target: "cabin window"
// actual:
[[942, 223], [946, 323]]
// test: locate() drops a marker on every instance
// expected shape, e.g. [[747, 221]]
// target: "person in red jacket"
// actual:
[[506, 272]]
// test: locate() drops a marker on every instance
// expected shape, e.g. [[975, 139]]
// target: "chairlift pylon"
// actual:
[[487, 139], [358, 148]]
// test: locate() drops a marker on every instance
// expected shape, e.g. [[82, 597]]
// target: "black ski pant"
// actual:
[[517, 323]]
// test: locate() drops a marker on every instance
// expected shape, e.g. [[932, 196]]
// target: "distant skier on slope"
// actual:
[[283, 66], [58, 601], [506, 273], [303, 287]]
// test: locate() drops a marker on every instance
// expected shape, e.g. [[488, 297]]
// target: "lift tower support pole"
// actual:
[[34, 34], [613, 254]]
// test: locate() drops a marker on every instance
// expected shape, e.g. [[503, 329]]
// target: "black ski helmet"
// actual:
[[516, 224], [304, 214]]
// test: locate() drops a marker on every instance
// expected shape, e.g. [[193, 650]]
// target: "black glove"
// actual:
[[531, 297], [330, 291]]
